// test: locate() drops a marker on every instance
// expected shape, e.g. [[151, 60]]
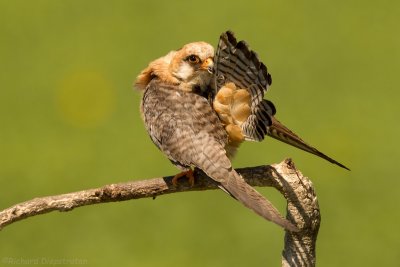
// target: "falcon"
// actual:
[[197, 113], [182, 123]]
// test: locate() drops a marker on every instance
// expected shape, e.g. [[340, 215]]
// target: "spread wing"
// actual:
[[235, 62]]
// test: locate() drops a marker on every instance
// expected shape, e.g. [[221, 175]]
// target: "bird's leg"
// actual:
[[188, 174]]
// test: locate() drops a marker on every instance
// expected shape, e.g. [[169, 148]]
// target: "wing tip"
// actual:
[[229, 36], [340, 165]]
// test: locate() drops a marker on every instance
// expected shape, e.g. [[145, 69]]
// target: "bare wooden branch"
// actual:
[[303, 211], [302, 207]]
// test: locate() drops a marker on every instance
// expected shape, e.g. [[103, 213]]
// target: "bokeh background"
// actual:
[[69, 120]]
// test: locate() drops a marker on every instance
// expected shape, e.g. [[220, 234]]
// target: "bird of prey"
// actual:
[[198, 112]]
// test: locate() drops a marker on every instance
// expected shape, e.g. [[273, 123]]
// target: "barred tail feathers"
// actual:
[[250, 198]]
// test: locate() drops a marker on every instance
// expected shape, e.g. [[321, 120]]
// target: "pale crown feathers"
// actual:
[[190, 67]]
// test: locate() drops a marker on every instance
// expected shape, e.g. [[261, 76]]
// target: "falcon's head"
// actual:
[[191, 68]]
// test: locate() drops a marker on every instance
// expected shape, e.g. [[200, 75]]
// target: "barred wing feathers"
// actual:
[[235, 62]]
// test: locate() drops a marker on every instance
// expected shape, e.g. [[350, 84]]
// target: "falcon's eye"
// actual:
[[193, 59]]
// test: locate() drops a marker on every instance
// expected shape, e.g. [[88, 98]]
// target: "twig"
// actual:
[[302, 207]]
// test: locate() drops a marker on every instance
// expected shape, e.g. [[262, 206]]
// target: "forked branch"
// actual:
[[302, 208]]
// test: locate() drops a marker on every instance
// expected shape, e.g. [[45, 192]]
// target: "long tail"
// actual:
[[249, 197], [280, 132]]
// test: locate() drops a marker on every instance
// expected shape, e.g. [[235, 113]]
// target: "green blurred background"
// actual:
[[70, 120]]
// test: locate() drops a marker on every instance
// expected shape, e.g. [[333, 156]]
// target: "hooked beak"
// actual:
[[208, 65]]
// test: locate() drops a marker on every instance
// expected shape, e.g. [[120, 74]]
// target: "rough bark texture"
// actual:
[[302, 208], [303, 211]]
